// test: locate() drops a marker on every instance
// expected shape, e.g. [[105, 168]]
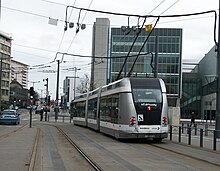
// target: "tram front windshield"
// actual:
[[147, 95]]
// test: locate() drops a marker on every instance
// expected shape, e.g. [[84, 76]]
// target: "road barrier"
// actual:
[[189, 132], [59, 116]]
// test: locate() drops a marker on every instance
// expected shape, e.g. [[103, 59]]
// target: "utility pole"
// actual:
[[75, 82], [217, 117], [74, 77], [46, 90], [57, 91]]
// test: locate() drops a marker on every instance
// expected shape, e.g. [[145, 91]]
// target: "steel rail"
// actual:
[[88, 159], [10, 133]]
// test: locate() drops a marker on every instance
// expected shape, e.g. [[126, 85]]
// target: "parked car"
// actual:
[[9, 116]]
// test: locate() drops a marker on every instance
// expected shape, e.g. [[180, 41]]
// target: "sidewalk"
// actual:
[[194, 138]]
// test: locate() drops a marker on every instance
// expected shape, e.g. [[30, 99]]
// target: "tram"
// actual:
[[130, 108]]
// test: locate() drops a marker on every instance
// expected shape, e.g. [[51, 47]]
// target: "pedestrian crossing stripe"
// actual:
[[140, 117]]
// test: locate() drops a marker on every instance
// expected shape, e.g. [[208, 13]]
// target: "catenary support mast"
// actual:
[[217, 118]]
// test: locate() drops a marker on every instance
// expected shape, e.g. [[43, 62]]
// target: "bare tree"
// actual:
[[84, 84]]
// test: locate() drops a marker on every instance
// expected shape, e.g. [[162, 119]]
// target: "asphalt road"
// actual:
[[43, 148]]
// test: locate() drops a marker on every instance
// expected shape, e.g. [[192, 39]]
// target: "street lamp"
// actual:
[[33, 82], [46, 90], [75, 81], [75, 69], [57, 91]]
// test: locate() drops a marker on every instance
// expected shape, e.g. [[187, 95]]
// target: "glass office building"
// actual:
[[169, 50], [200, 87]]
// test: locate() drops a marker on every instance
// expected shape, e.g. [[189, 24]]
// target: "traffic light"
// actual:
[[32, 92]]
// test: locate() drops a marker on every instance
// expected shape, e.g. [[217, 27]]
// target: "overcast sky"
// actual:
[[36, 42]]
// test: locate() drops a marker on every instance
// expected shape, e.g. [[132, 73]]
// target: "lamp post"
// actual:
[[57, 91], [75, 81], [34, 82], [75, 69], [217, 117], [46, 90]]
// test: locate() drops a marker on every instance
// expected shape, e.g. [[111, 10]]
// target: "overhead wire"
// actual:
[[139, 31], [30, 13], [98, 57], [169, 16], [61, 42], [182, 15], [131, 70], [157, 6], [152, 16], [81, 22], [31, 47], [137, 36]]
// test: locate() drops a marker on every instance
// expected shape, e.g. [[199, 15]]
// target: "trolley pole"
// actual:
[[217, 117]]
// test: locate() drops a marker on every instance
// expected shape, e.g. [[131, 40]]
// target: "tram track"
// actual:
[[8, 134], [92, 163], [34, 154], [71, 147], [186, 155]]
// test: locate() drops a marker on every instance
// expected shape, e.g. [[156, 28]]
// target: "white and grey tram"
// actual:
[[128, 108]]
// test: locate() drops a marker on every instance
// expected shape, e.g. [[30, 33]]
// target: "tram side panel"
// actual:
[[79, 117], [115, 114]]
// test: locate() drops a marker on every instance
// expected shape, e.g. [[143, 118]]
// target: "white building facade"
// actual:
[[19, 72]]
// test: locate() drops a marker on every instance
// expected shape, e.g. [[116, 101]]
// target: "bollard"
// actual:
[[189, 137], [201, 137], [180, 134], [182, 127], [30, 117], [195, 129], [187, 128], [48, 118], [214, 140], [171, 132], [63, 118], [206, 129]]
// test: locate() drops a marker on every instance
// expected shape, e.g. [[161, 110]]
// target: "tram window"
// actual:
[[147, 95], [92, 108], [109, 108]]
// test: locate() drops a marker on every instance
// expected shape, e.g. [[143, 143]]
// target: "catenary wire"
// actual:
[[131, 70], [119, 74], [153, 16], [81, 22]]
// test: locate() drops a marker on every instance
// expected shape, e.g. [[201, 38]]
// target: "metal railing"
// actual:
[[198, 133], [59, 116]]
